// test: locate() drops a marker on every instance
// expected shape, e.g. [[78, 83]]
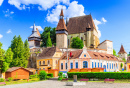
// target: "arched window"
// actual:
[[82, 38], [85, 64]]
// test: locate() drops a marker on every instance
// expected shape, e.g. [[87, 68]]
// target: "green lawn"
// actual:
[[22, 81]]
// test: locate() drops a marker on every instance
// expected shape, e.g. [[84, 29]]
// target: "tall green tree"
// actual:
[[114, 52], [19, 57], [46, 32], [49, 43], [77, 43], [5, 58], [26, 52]]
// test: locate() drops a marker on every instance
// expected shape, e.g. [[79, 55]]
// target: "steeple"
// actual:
[[34, 28], [122, 50], [61, 24]]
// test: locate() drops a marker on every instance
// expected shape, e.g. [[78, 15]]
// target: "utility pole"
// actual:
[[67, 54]]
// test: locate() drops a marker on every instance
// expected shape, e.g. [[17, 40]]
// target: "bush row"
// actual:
[[100, 75], [50, 74]]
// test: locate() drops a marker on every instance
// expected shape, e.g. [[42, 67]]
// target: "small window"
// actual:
[[61, 65], [56, 62], [48, 61], [39, 68], [39, 62], [84, 55], [71, 65], [43, 68], [43, 62], [76, 64], [66, 65]]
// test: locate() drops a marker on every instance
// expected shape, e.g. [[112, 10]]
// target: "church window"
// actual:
[[82, 38]]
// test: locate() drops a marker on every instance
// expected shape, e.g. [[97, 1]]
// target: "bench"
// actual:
[[2, 83], [109, 80], [84, 80], [64, 79]]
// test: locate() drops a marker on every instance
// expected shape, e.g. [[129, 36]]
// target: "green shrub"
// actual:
[[10, 79], [42, 75], [100, 75], [33, 76], [48, 77], [60, 74], [59, 78], [2, 80], [50, 74]]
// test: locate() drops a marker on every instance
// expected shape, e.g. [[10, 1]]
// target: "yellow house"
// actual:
[[48, 58]]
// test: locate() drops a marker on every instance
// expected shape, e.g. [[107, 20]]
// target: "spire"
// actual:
[[34, 28], [122, 50], [61, 24], [61, 14]]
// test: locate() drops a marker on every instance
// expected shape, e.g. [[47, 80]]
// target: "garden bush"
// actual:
[[33, 76], [59, 78], [100, 75], [2, 80], [42, 75], [10, 79], [50, 74], [60, 74]]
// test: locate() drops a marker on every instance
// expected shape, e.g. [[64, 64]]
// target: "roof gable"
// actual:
[[122, 50]]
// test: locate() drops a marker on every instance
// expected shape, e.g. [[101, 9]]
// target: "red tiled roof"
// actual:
[[122, 50]]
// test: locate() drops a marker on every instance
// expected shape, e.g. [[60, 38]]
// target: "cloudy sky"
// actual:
[[111, 17]]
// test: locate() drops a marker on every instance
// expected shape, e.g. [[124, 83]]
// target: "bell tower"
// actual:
[[61, 32]]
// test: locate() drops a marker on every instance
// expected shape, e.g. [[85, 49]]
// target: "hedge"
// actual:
[[50, 74], [100, 75]]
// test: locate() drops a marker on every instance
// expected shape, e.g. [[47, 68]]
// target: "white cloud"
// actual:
[[96, 24], [11, 12], [8, 13], [9, 31], [39, 28], [1, 1], [44, 4], [1, 36], [74, 9], [104, 20]]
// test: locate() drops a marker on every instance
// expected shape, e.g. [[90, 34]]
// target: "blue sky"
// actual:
[[112, 18]]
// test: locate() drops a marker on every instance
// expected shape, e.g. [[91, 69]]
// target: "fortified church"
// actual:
[[94, 51]]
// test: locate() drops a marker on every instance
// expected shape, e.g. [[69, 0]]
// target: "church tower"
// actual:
[[122, 53], [61, 32], [35, 38]]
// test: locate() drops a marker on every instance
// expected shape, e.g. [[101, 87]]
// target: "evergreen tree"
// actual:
[[19, 58], [49, 43], [77, 43], [26, 52], [5, 58]]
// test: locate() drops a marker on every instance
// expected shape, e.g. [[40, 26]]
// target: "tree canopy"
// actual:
[[77, 43], [48, 31], [5, 58], [114, 52], [21, 52]]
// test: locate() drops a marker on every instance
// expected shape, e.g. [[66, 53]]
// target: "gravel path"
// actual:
[[58, 84]]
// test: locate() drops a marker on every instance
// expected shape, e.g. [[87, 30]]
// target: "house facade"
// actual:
[[88, 59], [48, 58]]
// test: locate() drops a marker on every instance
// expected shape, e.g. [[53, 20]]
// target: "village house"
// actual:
[[87, 59], [48, 58]]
